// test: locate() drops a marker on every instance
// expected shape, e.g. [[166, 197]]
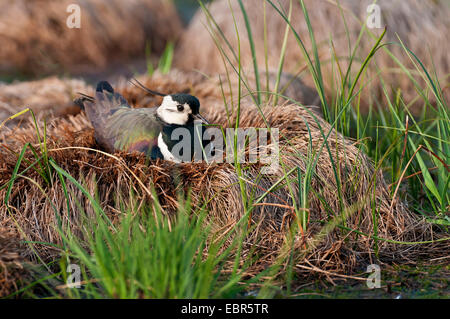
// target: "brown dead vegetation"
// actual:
[[47, 98]]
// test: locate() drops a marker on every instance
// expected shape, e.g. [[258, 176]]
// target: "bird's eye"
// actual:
[[180, 107]]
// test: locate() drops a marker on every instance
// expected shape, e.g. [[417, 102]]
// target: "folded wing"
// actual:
[[117, 126]]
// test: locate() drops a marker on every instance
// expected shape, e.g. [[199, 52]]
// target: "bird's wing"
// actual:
[[134, 130], [119, 127], [99, 110]]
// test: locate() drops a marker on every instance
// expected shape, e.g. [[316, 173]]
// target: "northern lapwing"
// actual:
[[117, 126]]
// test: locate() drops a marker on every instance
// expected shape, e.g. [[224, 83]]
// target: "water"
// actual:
[[187, 9]]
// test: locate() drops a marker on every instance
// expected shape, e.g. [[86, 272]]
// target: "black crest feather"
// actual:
[[141, 86], [104, 86]]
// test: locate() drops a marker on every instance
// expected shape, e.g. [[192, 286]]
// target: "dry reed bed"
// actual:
[[35, 38], [334, 251], [419, 24]]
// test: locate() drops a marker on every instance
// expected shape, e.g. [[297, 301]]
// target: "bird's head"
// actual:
[[179, 109]]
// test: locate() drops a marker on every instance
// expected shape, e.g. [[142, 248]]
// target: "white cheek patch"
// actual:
[[169, 113]]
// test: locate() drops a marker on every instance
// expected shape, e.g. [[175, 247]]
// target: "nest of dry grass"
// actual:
[[419, 24], [331, 251], [35, 38]]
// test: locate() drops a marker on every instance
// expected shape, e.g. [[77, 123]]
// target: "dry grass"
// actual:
[[334, 251], [50, 97], [419, 24], [35, 38], [11, 267]]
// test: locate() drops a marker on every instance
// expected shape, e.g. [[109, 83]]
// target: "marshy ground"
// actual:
[[364, 151]]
